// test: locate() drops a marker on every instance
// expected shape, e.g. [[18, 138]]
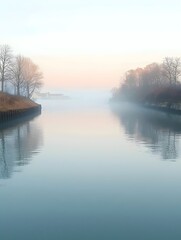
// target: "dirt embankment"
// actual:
[[11, 102]]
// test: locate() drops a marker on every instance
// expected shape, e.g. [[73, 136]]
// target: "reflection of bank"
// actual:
[[18, 143], [158, 131]]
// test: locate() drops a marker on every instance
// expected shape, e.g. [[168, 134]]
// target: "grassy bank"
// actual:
[[10, 102]]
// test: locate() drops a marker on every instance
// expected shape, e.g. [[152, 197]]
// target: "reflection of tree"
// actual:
[[156, 130], [5, 171], [17, 145]]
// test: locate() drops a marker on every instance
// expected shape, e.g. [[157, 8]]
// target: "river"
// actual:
[[91, 172]]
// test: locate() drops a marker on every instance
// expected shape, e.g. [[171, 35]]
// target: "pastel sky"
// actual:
[[91, 43]]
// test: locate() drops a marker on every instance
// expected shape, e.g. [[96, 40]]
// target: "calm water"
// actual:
[[90, 172]]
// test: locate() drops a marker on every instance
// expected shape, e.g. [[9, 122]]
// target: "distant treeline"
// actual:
[[156, 83], [18, 74]]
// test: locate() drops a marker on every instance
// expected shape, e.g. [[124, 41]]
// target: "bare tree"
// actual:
[[132, 78], [5, 64], [176, 70], [172, 69], [152, 75], [17, 73], [32, 78]]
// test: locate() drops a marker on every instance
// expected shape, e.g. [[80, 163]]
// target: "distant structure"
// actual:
[[48, 95]]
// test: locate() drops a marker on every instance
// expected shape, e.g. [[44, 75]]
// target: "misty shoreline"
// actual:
[[173, 109]]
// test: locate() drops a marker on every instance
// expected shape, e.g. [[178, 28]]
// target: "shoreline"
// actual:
[[19, 118], [18, 113], [174, 109], [13, 107]]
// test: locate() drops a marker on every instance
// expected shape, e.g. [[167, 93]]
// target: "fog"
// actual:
[[77, 99]]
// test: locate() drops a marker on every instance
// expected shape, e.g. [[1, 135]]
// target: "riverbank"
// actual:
[[12, 106], [173, 109], [160, 107]]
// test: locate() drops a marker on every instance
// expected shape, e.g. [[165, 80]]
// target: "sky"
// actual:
[[91, 43]]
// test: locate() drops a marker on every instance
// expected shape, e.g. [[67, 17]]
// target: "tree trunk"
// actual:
[[2, 84], [18, 89]]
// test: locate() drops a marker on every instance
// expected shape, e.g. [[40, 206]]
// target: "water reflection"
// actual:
[[160, 132], [19, 141]]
